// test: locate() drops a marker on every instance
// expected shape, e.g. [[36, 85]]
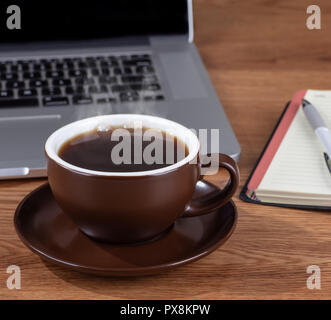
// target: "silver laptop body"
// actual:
[[47, 84]]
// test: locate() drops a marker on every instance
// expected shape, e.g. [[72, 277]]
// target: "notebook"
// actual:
[[291, 170]]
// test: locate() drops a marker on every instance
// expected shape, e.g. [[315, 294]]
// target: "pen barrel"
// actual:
[[313, 117], [324, 136]]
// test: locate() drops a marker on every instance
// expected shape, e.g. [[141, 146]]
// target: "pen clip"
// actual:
[[327, 161]]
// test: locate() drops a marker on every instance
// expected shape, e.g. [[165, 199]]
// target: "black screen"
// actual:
[[43, 20]]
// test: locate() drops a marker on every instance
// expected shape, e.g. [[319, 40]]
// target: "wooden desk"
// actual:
[[258, 53]]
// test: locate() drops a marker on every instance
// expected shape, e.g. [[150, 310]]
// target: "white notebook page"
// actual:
[[298, 165]]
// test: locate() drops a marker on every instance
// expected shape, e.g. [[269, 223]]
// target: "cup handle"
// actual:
[[211, 202]]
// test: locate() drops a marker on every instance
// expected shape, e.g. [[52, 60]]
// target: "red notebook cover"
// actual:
[[275, 141]]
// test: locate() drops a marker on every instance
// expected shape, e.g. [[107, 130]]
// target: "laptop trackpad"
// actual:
[[183, 76], [23, 138]]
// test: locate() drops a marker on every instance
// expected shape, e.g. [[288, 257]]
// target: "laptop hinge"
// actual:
[[75, 44]]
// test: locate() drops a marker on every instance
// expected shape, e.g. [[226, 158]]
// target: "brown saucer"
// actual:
[[47, 231]]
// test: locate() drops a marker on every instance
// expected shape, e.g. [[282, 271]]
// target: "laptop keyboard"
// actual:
[[78, 81]]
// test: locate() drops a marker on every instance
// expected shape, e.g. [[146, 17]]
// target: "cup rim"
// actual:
[[52, 146]]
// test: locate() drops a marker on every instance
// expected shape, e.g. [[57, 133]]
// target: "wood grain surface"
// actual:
[[258, 53]]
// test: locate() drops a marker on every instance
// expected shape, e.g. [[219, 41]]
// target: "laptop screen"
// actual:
[[43, 20]]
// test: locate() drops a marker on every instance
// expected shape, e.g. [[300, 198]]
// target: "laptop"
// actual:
[[75, 60]]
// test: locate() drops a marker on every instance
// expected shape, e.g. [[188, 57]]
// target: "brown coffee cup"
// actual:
[[130, 207]]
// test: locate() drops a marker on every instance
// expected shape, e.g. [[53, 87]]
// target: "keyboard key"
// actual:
[[80, 89], [60, 66], [32, 75], [27, 92], [14, 84], [117, 71], [46, 66], [61, 82], [152, 87], [55, 60], [54, 74], [136, 87], [17, 103], [129, 63], [82, 65], [69, 90], [25, 67], [148, 79], [38, 83], [127, 79], [67, 60], [9, 76], [105, 71], [137, 62], [103, 89], [106, 100], [82, 99], [127, 70], [153, 98], [77, 73], [145, 69], [22, 65], [107, 79], [3, 67], [13, 68], [140, 56], [70, 65], [113, 63], [102, 100], [144, 56], [93, 89], [36, 67], [95, 72], [55, 101], [6, 94], [112, 100], [143, 62], [51, 92], [104, 64], [120, 88], [91, 64], [129, 96], [96, 89], [82, 81]]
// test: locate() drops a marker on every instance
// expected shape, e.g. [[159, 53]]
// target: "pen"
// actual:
[[320, 129]]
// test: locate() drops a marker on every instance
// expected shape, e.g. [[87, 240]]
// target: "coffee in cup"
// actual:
[[97, 149]]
